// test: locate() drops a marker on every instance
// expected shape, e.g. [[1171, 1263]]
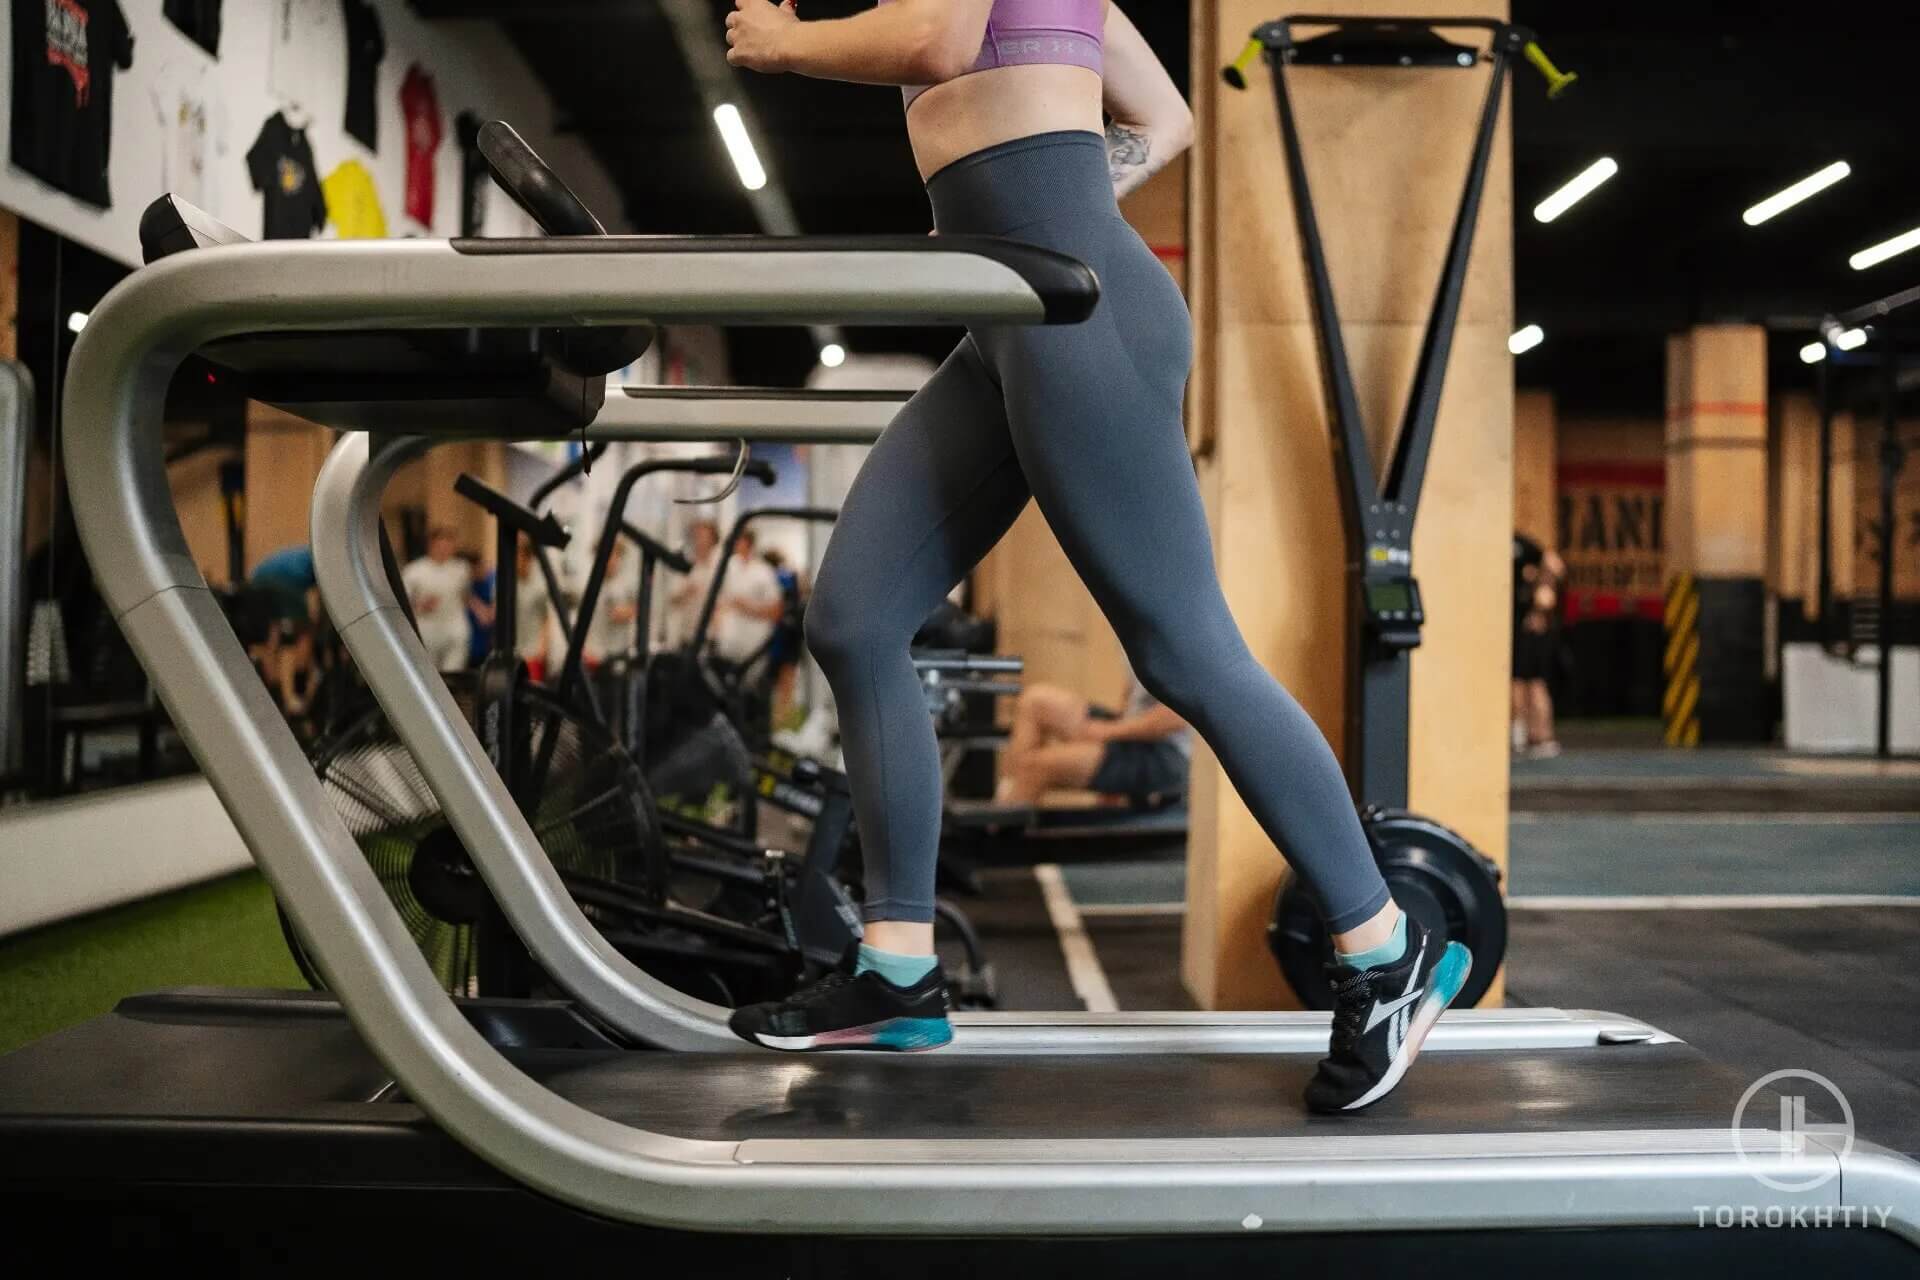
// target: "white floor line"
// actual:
[[1083, 962], [1110, 910], [1710, 901]]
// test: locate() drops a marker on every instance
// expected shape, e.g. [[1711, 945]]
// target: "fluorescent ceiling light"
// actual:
[[1811, 185], [833, 355], [1525, 340], [1813, 353], [1850, 339], [76, 321], [1582, 186], [1879, 253], [733, 132]]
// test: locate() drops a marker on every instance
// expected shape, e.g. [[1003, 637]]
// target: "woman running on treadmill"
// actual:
[[1028, 119]]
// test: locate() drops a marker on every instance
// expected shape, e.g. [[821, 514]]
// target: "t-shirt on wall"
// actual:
[[280, 163], [193, 134], [352, 202], [198, 20], [64, 55], [305, 38], [366, 46], [421, 107]]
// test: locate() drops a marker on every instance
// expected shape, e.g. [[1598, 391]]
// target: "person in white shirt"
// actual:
[[530, 612], [611, 633], [439, 585], [689, 595], [751, 603]]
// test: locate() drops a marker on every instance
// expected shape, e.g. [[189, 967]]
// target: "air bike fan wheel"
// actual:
[[1437, 878], [594, 819]]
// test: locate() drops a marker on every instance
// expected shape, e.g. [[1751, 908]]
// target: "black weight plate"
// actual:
[[1437, 878]]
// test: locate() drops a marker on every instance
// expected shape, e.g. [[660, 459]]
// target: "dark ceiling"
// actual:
[[1707, 107]]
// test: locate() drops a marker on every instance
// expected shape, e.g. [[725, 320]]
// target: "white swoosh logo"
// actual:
[[1383, 1011]]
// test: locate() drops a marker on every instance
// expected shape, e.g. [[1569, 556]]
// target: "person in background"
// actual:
[[751, 605], [286, 581], [1061, 742], [531, 607], [611, 631], [783, 655], [439, 586], [479, 608], [1537, 575], [689, 594]]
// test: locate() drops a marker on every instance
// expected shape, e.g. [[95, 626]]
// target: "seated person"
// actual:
[[286, 581], [1061, 742]]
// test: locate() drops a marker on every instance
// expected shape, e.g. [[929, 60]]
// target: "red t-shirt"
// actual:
[[421, 107]]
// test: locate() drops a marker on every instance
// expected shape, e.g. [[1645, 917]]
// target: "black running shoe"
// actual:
[[1381, 1017], [846, 1010]]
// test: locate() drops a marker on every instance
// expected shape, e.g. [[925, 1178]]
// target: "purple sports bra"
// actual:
[[1023, 33]]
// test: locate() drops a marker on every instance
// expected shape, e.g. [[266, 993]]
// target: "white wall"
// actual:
[[473, 66], [65, 858]]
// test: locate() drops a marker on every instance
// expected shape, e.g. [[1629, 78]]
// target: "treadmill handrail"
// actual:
[[165, 311]]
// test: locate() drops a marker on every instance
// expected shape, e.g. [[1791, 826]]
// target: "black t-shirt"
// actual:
[[366, 46], [198, 20], [280, 163], [64, 56], [475, 181]]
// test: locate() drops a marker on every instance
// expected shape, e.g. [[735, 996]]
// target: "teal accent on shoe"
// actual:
[[913, 1034], [900, 970], [1456, 962], [1386, 953]]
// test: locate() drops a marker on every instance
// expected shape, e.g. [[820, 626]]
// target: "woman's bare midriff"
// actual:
[[986, 108]]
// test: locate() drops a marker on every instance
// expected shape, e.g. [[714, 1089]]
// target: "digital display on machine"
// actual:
[[1390, 597]]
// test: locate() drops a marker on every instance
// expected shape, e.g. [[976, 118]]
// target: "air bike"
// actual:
[[288, 1125]]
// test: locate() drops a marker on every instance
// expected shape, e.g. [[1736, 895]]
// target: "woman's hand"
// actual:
[[757, 34]]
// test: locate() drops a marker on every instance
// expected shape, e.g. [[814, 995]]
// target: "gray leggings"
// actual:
[[1085, 419]]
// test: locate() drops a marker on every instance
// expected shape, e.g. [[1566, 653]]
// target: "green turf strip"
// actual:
[[218, 934]]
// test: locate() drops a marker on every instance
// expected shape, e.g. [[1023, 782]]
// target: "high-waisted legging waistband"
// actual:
[[1014, 184]]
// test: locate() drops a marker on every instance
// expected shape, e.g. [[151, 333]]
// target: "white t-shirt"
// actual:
[[194, 132], [683, 615], [307, 43], [439, 591], [608, 637], [530, 615], [752, 582]]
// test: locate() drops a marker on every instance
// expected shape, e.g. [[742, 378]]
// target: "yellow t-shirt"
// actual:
[[352, 204]]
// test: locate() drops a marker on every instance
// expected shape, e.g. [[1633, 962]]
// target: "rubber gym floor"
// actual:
[[1765, 908]]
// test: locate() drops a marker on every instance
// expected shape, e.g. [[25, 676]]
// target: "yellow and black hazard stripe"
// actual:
[[1680, 706]]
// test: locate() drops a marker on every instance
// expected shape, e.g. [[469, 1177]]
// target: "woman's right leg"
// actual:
[[934, 496]]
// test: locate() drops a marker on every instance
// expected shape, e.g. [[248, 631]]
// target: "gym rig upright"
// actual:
[[282, 1125]]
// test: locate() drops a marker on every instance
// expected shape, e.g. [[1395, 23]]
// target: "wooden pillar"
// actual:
[[1716, 516], [1386, 153], [1536, 461], [283, 459], [1717, 451]]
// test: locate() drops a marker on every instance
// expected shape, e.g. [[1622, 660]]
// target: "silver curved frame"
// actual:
[[114, 397], [372, 623]]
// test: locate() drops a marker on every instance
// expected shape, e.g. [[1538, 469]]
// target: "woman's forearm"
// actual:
[[905, 42]]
